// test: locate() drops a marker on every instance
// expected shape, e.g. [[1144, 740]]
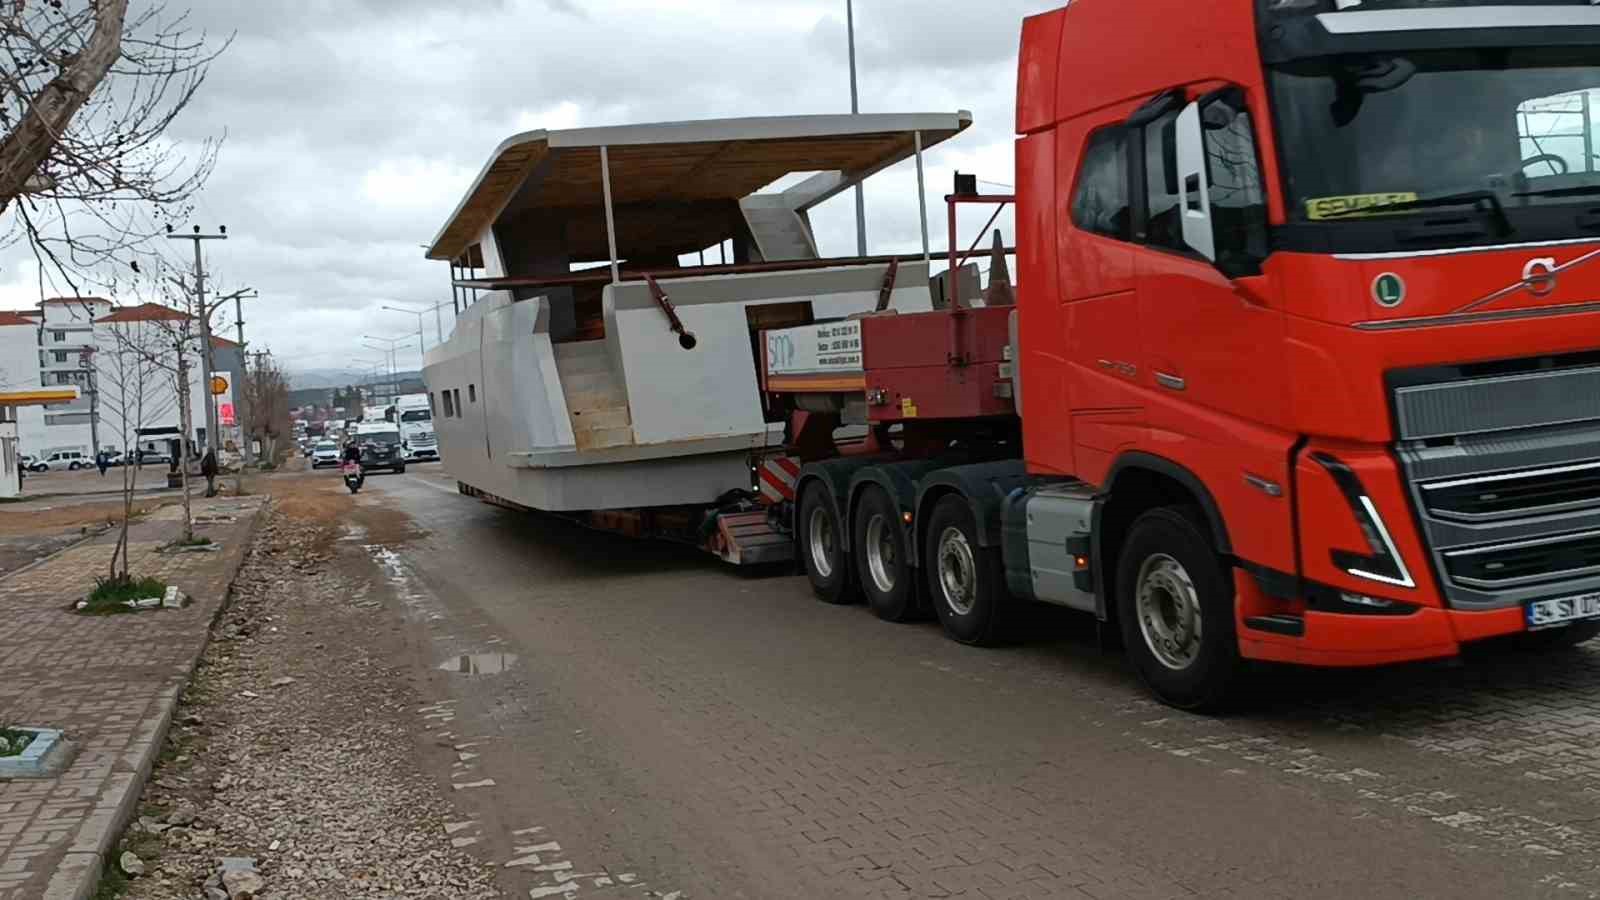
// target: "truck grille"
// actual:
[[1513, 494], [1526, 562], [1503, 465]]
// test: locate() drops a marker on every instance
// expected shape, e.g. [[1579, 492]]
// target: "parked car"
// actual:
[[325, 453], [72, 460], [26, 461], [147, 457]]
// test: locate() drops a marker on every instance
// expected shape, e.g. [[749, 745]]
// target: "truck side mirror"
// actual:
[[1194, 184]]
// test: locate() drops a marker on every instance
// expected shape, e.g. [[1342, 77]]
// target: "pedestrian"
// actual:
[[208, 468], [102, 462]]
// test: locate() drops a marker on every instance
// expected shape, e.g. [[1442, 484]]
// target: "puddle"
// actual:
[[479, 663]]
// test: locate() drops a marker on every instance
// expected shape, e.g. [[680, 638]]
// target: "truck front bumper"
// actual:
[[1349, 641]]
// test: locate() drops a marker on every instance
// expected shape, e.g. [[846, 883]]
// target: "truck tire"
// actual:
[[966, 581], [1175, 606], [881, 558], [822, 547]]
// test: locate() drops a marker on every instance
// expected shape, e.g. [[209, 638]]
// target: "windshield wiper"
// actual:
[[1463, 198], [1578, 191]]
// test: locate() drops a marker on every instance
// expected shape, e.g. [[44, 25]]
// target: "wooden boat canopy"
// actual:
[[675, 185]]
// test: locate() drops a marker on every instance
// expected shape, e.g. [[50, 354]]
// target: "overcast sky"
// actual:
[[354, 126]]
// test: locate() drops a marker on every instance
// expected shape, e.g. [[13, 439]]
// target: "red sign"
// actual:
[[225, 413]]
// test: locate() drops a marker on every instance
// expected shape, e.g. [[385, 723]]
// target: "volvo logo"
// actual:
[[1539, 276]]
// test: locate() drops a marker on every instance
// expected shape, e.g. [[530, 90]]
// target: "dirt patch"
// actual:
[[310, 498], [385, 526], [68, 516], [294, 745]]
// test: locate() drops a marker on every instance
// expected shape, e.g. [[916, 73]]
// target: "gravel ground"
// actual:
[[294, 747]]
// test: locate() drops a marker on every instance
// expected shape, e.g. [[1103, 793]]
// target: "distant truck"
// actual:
[[414, 415]]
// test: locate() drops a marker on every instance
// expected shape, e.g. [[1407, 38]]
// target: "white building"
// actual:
[[136, 378], [92, 344], [65, 344], [19, 371]]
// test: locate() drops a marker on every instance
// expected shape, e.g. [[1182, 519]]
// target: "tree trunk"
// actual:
[[26, 148], [186, 424]]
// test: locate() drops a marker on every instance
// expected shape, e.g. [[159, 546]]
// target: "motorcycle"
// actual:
[[353, 478]]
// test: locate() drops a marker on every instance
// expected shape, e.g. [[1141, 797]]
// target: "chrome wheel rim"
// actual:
[[823, 542], [958, 572], [882, 561], [1169, 611]]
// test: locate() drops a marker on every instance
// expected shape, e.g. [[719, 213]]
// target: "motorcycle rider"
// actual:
[[352, 456]]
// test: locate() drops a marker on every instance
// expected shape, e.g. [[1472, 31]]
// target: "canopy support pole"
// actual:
[[922, 201], [611, 215]]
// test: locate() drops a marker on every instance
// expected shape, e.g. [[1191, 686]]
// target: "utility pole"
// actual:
[[855, 109], [242, 402], [205, 325]]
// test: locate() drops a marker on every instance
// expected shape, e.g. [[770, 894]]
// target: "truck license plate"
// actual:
[[1560, 611]]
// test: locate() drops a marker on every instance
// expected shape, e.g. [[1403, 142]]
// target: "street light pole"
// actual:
[[422, 351], [391, 352], [855, 109]]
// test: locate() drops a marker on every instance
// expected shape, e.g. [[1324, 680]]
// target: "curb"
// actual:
[[99, 532], [77, 876]]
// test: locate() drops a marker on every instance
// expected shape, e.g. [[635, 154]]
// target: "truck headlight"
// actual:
[[1384, 563]]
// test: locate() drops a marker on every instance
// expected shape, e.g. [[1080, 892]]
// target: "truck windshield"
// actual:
[[381, 437], [1506, 136], [416, 415]]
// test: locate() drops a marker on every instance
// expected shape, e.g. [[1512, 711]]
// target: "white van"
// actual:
[[72, 460]]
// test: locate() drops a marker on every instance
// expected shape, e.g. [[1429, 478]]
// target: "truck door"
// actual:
[[1100, 308], [1212, 332]]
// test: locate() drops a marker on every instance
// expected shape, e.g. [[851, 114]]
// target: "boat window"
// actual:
[[449, 408], [472, 393], [460, 410]]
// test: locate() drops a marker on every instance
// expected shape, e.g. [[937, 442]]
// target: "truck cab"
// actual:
[[1317, 274], [414, 414]]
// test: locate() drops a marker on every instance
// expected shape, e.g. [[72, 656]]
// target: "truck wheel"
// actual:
[[966, 581], [1175, 605], [880, 551], [822, 543]]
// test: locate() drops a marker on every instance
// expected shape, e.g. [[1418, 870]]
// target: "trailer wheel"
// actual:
[[881, 558], [965, 580], [1175, 605], [822, 545]]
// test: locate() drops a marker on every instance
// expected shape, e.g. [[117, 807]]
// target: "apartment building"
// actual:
[[74, 341], [19, 368]]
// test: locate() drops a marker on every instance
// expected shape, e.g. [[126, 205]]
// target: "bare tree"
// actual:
[[134, 392], [87, 94], [266, 390]]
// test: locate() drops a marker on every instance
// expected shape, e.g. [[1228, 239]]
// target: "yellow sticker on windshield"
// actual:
[[1355, 205]]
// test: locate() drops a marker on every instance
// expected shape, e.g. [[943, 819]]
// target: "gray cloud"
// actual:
[[353, 126]]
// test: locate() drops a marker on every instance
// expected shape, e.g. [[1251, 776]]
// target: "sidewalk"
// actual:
[[111, 683], [90, 483]]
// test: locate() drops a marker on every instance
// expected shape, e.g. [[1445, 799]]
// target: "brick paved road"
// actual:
[[727, 736], [110, 683]]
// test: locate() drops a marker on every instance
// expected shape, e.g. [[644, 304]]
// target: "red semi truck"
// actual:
[[1304, 365]]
